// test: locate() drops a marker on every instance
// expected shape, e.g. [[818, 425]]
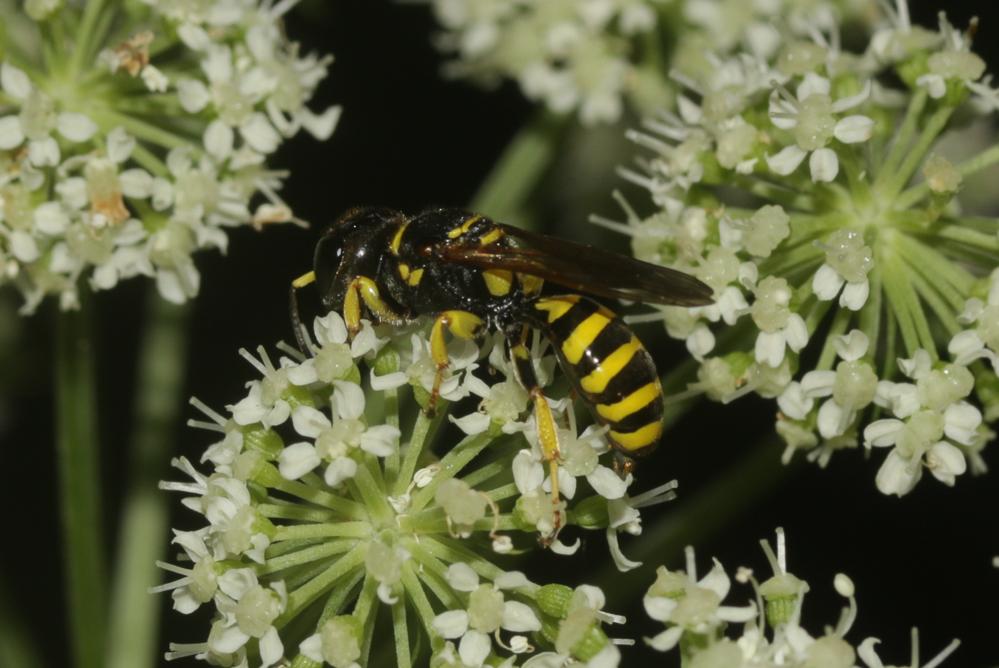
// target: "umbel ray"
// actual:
[[474, 275]]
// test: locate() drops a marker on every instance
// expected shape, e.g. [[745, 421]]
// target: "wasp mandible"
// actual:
[[475, 275]]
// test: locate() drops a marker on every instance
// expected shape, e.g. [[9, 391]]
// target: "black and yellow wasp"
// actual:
[[475, 275]]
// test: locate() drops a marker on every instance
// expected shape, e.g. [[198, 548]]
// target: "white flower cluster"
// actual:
[[143, 138], [322, 486], [849, 289], [697, 619], [571, 56]]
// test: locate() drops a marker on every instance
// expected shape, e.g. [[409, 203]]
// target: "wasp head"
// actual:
[[352, 246]]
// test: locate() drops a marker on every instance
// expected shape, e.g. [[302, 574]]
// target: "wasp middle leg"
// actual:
[[520, 354]]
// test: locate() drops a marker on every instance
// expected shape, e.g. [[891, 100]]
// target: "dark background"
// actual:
[[409, 138]]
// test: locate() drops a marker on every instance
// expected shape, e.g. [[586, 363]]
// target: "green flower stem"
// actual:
[[143, 130], [306, 555], [484, 473], [839, 324], [346, 507], [960, 233], [286, 511], [330, 530], [419, 599], [364, 486], [932, 297], [450, 465], [364, 609], [452, 550], [314, 588], [401, 633], [519, 169], [78, 461], [423, 432], [134, 618], [86, 36], [914, 156], [917, 103], [17, 647], [432, 575], [870, 315], [507, 491], [148, 161], [692, 520], [905, 304], [953, 281], [790, 199], [391, 413]]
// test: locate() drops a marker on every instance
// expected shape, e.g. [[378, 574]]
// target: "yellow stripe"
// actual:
[[415, 276], [556, 307], [404, 270], [491, 237], [632, 403], [397, 239], [304, 279], [583, 336], [498, 281], [638, 439], [596, 381], [464, 227], [530, 285]]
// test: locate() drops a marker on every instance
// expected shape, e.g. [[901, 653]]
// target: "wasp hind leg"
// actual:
[[463, 325], [520, 354]]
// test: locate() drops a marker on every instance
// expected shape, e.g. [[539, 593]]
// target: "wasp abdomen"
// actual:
[[608, 366]]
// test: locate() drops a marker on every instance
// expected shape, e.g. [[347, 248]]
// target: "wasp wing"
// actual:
[[581, 267]]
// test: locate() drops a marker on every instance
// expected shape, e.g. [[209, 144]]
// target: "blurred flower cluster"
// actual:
[[697, 620], [593, 56], [323, 499], [133, 134], [802, 182]]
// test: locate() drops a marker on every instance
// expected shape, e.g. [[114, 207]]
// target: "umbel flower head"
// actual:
[[133, 134], [322, 500], [700, 625], [806, 187]]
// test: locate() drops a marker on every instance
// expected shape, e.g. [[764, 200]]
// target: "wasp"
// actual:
[[474, 275]]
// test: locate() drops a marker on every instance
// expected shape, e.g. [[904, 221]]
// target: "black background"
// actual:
[[409, 138]]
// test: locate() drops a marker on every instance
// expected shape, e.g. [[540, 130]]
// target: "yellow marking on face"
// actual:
[[583, 336], [304, 279], [638, 439], [397, 238], [632, 403], [491, 237], [530, 285], [415, 276], [404, 271], [556, 307], [464, 227], [596, 381], [498, 281]]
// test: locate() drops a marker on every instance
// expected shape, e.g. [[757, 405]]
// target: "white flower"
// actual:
[[814, 119]]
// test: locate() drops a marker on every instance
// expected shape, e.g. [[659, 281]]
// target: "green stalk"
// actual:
[[423, 431], [519, 169], [85, 35], [914, 157], [401, 629], [17, 646], [973, 165], [134, 616], [78, 462], [917, 103]]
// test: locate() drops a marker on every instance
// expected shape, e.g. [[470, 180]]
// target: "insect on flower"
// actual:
[[474, 275]]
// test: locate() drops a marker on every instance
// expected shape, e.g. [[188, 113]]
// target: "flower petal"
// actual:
[[854, 129], [824, 165], [787, 160]]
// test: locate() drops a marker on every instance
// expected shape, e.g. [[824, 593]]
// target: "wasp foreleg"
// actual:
[[364, 290]]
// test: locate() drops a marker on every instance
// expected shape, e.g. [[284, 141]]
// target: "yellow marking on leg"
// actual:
[[464, 227], [638, 439], [304, 279], [363, 290], [461, 324], [596, 381], [498, 281], [583, 336], [530, 285], [548, 440], [632, 403], [414, 277], [556, 307], [397, 238], [491, 237], [404, 271]]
